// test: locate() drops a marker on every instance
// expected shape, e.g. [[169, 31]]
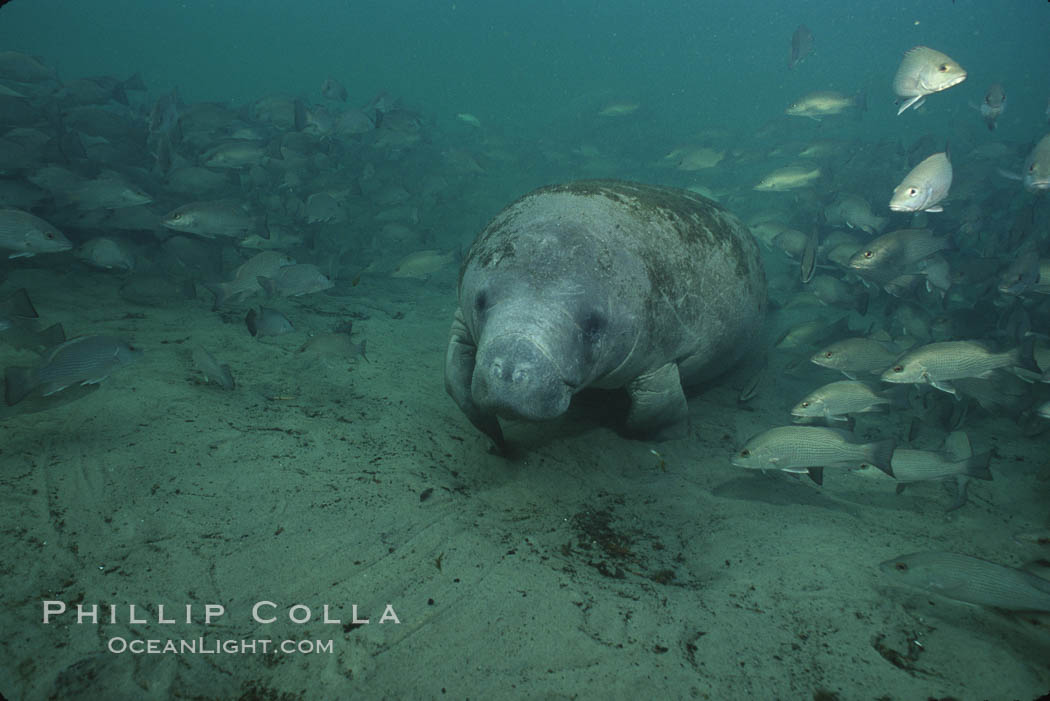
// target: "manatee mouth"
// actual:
[[515, 378]]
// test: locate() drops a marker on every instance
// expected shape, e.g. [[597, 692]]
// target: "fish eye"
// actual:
[[828, 354], [901, 566], [943, 68], [177, 217], [898, 368], [49, 235], [1031, 168], [745, 453], [805, 404], [869, 254], [913, 191]]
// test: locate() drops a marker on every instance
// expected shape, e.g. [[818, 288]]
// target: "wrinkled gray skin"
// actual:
[[602, 284]]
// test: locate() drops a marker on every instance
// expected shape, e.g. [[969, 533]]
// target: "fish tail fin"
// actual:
[[221, 291], [861, 102], [300, 115], [881, 453], [897, 396], [1008, 174], [18, 383], [52, 336], [1024, 360], [21, 305], [863, 301], [226, 380], [977, 466], [134, 82], [962, 484], [118, 94], [249, 321], [267, 284]]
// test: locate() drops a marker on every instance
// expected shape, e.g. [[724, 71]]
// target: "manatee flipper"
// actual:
[[658, 407], [459, 371]]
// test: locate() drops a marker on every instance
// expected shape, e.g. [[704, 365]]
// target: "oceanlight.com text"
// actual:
[[203, 646]]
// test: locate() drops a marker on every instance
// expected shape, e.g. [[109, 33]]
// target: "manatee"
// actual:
[[602, 284]]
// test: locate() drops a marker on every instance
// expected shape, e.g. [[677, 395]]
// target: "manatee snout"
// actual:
[[514, 378]]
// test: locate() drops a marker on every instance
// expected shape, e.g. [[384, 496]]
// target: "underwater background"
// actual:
[[240, 432]]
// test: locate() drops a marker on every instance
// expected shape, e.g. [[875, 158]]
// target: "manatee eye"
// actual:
[[943, 68], [898, 368], [481, 302], [901, 566], [745, 453]]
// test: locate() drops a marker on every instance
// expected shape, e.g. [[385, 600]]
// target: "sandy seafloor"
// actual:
[[584, 566]]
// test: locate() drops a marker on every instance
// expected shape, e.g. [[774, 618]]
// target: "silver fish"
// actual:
[[335, 345], [895, 253], [971, 580], [993, 106], [26, 235], [855, 356], [955, 461], [212, 218], [826, 103], [809, 255], [1025, 273], [23, 68], [788, 178], [834, 292], [245, 280], [81, 361], [106, 253], [332, 89], [809, 449], [1036, 175], [855, 212], [836, 400], [235, 154], [103, 193], [925, 186], [267, 322], [295, 280], [801, 45], [927, 465], [812, 333], [924, 71], [213, 371], [937, 364]]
